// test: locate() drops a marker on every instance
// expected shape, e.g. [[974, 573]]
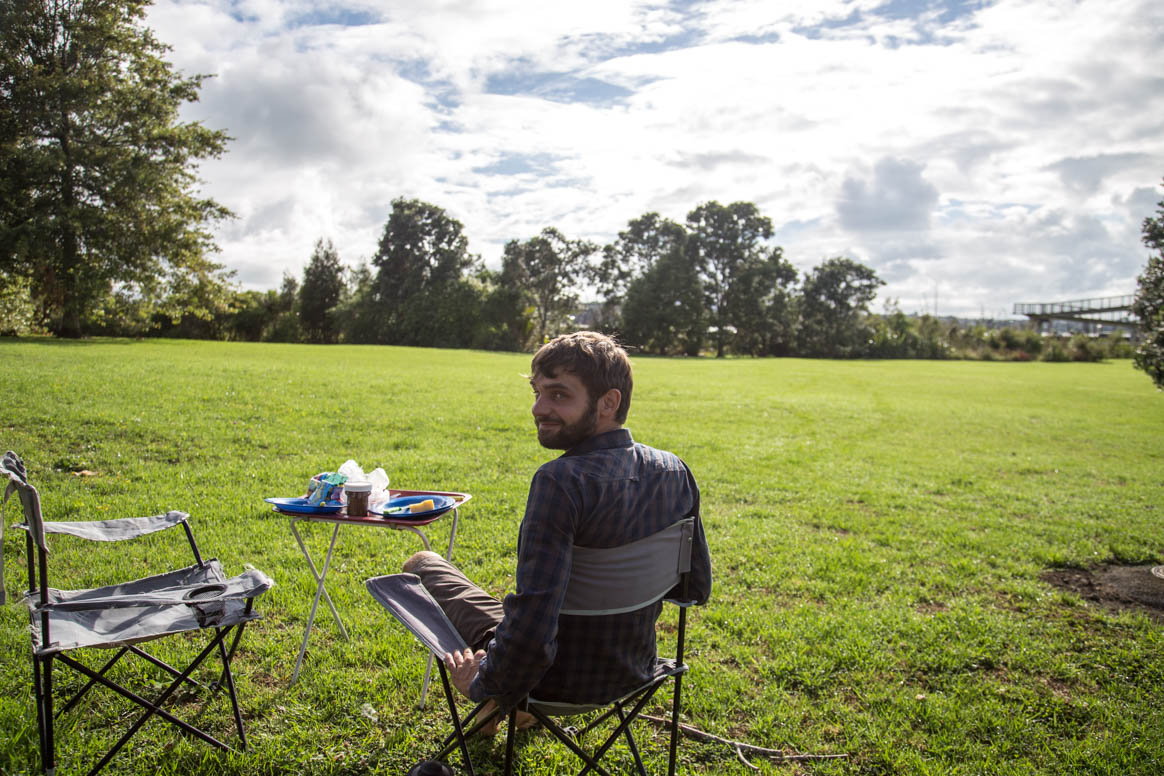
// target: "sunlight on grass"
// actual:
[[878, 530]]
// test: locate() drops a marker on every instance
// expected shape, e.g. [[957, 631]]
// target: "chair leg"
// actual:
[[571, 744], [450, 742], [630, 742], [217, 683], [509, 736], [456, 719], [89, 685], [155, 706], [674, 725], [229, 675], [624, 725], [43, 686], [162, 664]]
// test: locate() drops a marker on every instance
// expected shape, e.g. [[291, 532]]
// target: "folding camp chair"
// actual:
[[602, 582], [122, 616]]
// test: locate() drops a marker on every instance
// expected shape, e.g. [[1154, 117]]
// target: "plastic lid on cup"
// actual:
[[357, 487]]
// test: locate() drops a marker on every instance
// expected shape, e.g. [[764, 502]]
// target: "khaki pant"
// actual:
[[473, 612]]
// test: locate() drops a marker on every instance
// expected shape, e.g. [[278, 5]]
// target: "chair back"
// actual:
[[12, 467], [605, 581]]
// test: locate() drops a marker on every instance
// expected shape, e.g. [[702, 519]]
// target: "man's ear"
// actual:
[[609, 402]]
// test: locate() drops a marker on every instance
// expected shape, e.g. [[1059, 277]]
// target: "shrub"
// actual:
[[1056, 352], [1084, 348]]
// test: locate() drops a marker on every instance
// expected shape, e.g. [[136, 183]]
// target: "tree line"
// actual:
[[707, 286], [711, 284]]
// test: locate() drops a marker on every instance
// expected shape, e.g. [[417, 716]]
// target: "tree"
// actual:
[[285, 325], [356, 314], [834, 300], [506, 321], [763, 306], [17, 315], [726, 242], [637, 249], [98, 173], [422, 252], [1149, 302], [548, 270], [323, 286], [252, 314], [663, 307]]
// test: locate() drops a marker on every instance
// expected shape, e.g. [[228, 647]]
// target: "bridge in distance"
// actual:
[[1107, 310]]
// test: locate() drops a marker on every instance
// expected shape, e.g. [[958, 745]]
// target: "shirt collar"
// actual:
[[620, 437]]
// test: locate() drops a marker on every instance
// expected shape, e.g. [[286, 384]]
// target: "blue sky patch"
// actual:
[[345, 17], [519, 164], [556, 87], [948, 10]]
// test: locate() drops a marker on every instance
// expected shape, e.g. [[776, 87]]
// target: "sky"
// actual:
[[975, 154]]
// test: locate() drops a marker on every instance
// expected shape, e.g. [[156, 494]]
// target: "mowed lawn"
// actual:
[[878, 531]]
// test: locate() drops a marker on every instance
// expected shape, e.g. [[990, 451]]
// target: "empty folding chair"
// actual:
[[603, 582], [122, 616]]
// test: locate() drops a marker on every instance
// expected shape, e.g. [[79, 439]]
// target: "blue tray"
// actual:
[[441, 504], [301, 506]]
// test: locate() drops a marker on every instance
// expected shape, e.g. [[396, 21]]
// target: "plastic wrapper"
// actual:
[[325, 486], [378, 477]]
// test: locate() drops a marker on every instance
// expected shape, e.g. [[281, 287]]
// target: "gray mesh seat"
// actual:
[[121, 616], [602, 582]]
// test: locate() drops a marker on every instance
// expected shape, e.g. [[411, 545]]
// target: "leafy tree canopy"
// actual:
[[548, 269], [663, 310], [1149, 303], [97, 175], [834, 300], [323, 285], [727, 243], [422, 253]]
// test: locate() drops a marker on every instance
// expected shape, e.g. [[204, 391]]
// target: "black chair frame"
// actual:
[[42, 667], [205, 601], [570, 737]]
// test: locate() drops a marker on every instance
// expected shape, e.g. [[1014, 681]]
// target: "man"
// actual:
[[604, 491]]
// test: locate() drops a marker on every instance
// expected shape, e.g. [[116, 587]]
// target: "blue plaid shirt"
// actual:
[[605, 492]]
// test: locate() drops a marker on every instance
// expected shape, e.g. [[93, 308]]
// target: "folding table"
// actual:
[[341, 518]]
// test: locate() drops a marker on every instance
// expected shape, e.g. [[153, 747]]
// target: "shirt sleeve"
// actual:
[[525, 643]]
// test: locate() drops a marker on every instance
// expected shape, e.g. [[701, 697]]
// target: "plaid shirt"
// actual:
[[605, 492]]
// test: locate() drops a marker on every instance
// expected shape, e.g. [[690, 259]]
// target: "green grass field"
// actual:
[[878, 531]]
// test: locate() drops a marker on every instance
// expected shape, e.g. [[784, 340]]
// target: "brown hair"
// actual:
[[595, 359]]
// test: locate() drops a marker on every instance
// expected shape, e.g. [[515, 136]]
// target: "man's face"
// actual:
[[562, 411]]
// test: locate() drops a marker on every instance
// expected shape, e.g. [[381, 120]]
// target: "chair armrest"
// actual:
[[407, 600], [114, 530], [249, 584]]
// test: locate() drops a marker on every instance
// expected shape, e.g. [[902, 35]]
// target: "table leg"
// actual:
[[320, 591], [453, 535], [420, 533], [427, 679], [319, 579]]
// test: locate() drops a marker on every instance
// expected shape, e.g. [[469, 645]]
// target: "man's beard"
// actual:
[[570, 434]]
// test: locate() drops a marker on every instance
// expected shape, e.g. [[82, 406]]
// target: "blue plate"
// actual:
[[441, 504], [301, 506]]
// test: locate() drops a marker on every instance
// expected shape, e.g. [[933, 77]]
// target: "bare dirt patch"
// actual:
[[1121, 588]]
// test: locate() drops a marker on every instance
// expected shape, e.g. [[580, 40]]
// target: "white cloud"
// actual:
[[1034, 128]]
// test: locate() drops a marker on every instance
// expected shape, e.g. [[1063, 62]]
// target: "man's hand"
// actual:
[[463, 668]]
